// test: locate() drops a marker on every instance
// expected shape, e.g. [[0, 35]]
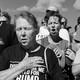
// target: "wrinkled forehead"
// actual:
[[23, 22], [53, 19]]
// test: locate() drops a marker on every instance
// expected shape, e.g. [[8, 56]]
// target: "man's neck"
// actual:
[[30, 48]]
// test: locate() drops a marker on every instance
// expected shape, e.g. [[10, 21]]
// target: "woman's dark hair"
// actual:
[[29, 17], [56, 14]]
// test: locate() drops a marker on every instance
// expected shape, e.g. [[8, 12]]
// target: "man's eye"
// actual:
[[18, 29], [28, 28]]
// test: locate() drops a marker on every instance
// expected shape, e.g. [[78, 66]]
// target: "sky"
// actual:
[[68, 8]]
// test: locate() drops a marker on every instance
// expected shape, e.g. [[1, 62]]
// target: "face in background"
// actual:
[[24, 31], [43, 22], [53, 25], [63, 22]]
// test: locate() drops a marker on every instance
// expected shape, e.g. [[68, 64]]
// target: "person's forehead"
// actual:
[[22, 21], [54, 18]]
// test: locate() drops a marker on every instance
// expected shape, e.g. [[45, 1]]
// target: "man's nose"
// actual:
[[23, 33]]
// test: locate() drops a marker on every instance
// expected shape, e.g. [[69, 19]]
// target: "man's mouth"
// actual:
[[24, 40]]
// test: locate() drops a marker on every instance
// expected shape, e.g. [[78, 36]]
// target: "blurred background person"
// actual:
[[77, 27], [7, 35], [76, 62], [8, 17]]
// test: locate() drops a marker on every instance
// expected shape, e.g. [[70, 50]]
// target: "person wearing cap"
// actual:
[[63, 30], [69, 53], [64, 22], [66, 30], [49, 11]]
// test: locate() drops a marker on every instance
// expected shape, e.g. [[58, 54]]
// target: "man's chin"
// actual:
[[24, 44]]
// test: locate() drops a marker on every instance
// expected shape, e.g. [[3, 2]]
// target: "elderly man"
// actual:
[[26, 61]]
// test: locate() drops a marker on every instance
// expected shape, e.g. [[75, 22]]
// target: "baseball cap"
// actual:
[[53, 8]]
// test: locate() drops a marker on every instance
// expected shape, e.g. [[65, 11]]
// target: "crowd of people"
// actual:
[[29, 51]]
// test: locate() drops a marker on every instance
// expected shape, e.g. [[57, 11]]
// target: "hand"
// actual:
[[58, 53], [31, 62], [70, 54]]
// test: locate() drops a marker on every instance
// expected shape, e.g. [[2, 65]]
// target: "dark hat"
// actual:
[[53, 8]]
